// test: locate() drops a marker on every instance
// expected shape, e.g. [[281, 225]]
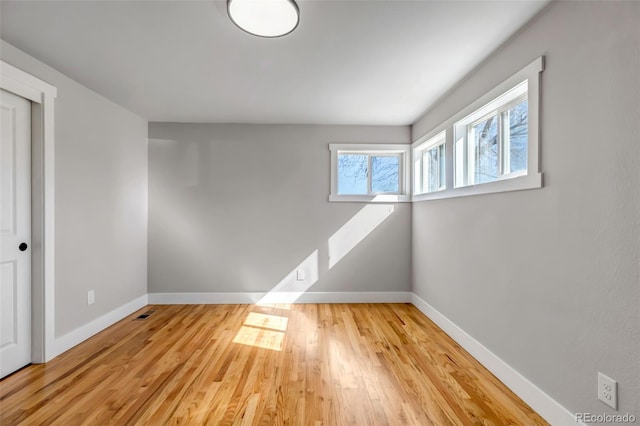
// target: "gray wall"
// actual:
[[235, 208], [548, 279], [100, 198]]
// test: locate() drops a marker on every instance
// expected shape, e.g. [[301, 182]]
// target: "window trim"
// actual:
[[468, 125], [420, 151], [401, 150], [533, 177]]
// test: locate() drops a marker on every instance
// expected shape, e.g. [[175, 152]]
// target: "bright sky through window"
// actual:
[[368, 174]]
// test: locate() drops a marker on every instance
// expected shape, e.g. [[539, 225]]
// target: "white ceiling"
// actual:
[[348, 62]]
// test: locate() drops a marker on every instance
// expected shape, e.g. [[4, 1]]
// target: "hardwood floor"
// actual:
[[342, 364]]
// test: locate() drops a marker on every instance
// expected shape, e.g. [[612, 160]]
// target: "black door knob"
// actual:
[[22, 246]]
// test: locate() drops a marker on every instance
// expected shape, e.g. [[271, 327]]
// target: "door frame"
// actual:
[[42, 96]]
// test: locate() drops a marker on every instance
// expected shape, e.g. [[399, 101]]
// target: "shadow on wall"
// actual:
[[345, 239]]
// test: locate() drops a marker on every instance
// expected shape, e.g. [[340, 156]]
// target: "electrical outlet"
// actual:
[[300, 274], [91, 297], [608, 391]]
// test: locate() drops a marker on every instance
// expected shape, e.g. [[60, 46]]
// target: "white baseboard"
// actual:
[[279, 297], [80, 334], [542, 403]]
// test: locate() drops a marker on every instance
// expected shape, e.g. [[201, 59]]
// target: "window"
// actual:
[[368, 172], [429, 165], [490, 146], [491, 143], [354, 177]]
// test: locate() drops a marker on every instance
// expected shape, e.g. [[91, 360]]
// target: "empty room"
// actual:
[[320, 212]]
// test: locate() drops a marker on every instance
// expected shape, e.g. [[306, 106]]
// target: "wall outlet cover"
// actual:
[[608, 391]]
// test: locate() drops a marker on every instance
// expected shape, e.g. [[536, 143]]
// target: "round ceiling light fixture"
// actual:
[[264, 18]]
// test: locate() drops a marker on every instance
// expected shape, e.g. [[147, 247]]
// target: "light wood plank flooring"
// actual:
[[308, 364]]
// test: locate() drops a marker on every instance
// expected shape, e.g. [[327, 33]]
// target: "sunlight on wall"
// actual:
[[289, 289], [356, 229]]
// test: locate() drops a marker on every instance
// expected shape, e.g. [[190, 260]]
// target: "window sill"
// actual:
[[532, 181], [383, 198]]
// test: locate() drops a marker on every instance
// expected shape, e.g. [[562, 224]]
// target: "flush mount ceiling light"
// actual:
[[264, 18]]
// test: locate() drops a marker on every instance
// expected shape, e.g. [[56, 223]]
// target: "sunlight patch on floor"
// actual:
[[260, 338], [274, 322], [263, 331]]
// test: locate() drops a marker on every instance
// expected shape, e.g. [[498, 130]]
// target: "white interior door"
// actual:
[[15, 233]]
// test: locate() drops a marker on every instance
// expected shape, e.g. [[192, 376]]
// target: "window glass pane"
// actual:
[[384, 173], [441, 168], [433, 162], [352, 173], [426, 171], [485, 150], [518, 133]]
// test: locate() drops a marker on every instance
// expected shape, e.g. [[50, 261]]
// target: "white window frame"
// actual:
[[464, 128], [399, 150], [419, 154], [488, 103]]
